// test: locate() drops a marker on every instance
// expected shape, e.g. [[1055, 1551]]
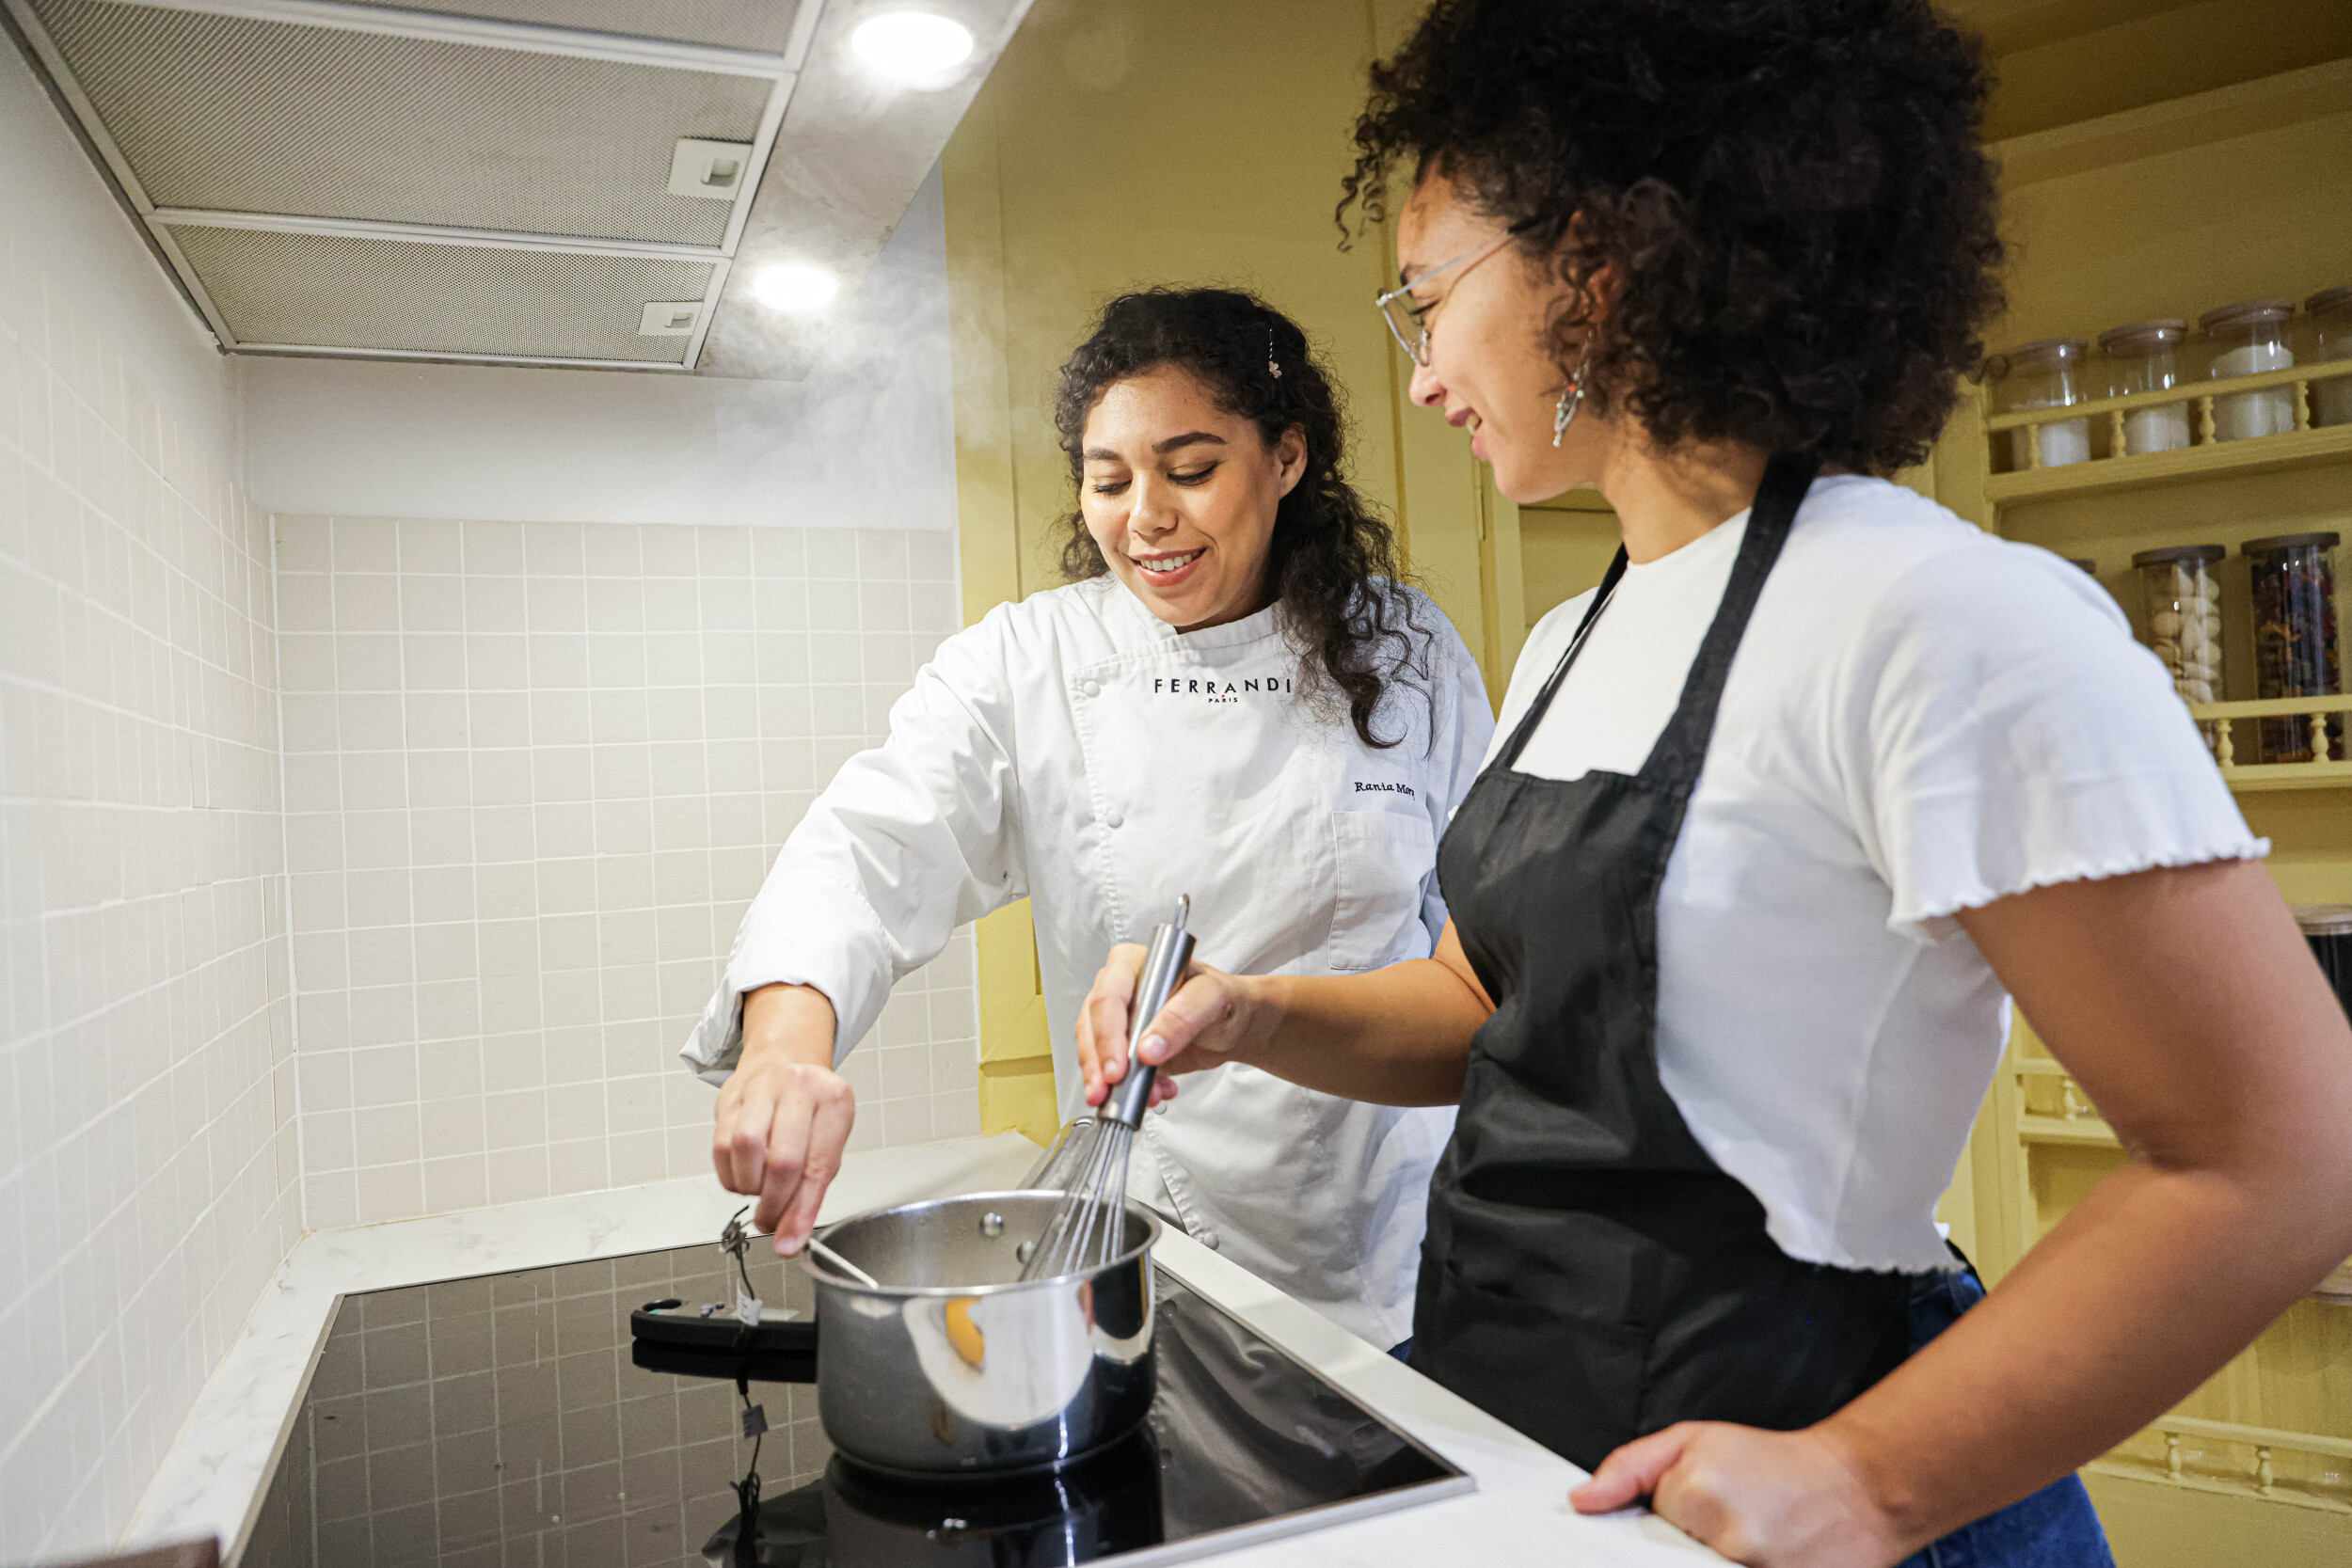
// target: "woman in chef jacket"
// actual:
[[1234, 701], [1780, 817]]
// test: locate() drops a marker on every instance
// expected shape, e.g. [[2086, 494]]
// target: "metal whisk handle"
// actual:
[[1163, 967]]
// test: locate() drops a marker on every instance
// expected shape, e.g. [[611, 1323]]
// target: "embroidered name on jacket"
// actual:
[[1214, 690]]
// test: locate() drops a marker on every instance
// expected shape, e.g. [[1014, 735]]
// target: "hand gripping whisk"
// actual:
[[1089, 1227]]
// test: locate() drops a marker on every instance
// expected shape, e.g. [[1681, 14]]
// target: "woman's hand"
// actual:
[[1762, 1497], [784, 1115], [1211, 1017], [1398, 1036]]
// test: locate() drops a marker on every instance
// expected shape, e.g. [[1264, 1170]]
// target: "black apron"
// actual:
[[1590, 1274]]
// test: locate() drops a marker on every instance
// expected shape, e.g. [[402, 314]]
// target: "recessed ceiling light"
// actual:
[[795, 286], [911, 46]]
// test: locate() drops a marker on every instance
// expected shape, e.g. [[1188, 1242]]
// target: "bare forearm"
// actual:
[[1395, 1037], [2184, 1003], [2146, 1288]]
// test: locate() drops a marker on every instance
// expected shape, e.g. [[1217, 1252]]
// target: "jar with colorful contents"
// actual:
[[2294, 580], [2245, 338], [2328, 318], [2185, 620], [2046, 373], [2143, 357]]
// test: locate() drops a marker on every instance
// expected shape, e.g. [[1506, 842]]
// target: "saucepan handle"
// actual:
[[668, 1338]]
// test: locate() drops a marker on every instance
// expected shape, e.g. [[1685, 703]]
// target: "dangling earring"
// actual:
[[1572, 398]]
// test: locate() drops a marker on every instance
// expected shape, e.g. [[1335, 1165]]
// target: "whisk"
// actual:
[[1089, 1227]]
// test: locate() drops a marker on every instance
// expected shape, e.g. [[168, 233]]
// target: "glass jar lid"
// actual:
[[2248, 312], [2179, 552], [2290, 542], [2324, 919], [2034, 356], [2328, 299], [2143, 338]]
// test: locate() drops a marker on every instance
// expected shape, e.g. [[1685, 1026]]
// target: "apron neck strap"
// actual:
[[1682, 747], [1542, 702]]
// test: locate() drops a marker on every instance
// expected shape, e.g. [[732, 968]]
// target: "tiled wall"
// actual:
[[534, 772], [148, 1161], [500, 1420]]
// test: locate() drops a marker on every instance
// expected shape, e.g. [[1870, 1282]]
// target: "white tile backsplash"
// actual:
[[360, 868], [560, 759], [148, 1160]]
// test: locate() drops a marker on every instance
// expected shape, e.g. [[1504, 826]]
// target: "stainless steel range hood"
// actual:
[[580, 183]]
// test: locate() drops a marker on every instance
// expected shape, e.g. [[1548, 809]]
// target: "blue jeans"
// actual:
[[2053, 1529]]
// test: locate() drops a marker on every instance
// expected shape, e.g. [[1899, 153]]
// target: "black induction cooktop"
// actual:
[[502, 1420]]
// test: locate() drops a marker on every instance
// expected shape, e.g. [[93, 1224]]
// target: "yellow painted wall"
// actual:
[[1124, 143]]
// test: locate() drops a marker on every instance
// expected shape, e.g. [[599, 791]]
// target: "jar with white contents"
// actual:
[[2243, 339], [2143, 357], [2045, 374], [2184, 620]]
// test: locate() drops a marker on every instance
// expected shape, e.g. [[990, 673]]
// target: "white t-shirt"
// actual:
[[1921, 717]]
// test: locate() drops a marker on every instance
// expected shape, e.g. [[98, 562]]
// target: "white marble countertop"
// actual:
[[212, 1480]]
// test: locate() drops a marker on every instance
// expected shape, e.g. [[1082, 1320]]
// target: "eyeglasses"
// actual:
[[1409, 318]]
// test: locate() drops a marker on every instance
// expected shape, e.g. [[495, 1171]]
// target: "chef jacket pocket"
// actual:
[[1381, 859]]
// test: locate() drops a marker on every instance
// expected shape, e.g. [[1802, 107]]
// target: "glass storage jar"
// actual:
[[2294, 579], [2045, 374], [2328, 929], [2141, 358], [2328, 315], [2243, 339], [2184, 620]]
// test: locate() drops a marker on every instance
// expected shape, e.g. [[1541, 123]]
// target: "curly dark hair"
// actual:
[[1793, 191], [1332, 562]]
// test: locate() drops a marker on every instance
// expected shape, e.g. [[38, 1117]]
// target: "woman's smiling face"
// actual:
[[1490, 368], [1181, 496]]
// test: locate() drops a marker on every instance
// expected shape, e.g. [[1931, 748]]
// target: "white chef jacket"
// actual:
[[1075, 748]]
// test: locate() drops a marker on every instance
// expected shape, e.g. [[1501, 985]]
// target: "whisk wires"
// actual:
[[1089, 1226]]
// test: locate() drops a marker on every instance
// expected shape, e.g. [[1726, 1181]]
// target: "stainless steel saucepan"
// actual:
[[954, 1365]]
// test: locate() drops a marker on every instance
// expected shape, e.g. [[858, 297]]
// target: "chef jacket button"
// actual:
[[1092, 688], [1114, 819], [1207, 1239]]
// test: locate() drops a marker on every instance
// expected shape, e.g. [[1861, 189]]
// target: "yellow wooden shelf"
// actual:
[[2086, 1131], [2288, 775], [2293, 449], [2250, 776], [2256, 1477]]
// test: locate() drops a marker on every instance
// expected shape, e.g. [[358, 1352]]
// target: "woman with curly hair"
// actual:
[[1778, 820], [1234, 700]]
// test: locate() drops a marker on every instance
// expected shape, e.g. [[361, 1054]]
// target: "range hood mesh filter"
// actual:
[[331, 291], [232, 115], [762, 27]]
